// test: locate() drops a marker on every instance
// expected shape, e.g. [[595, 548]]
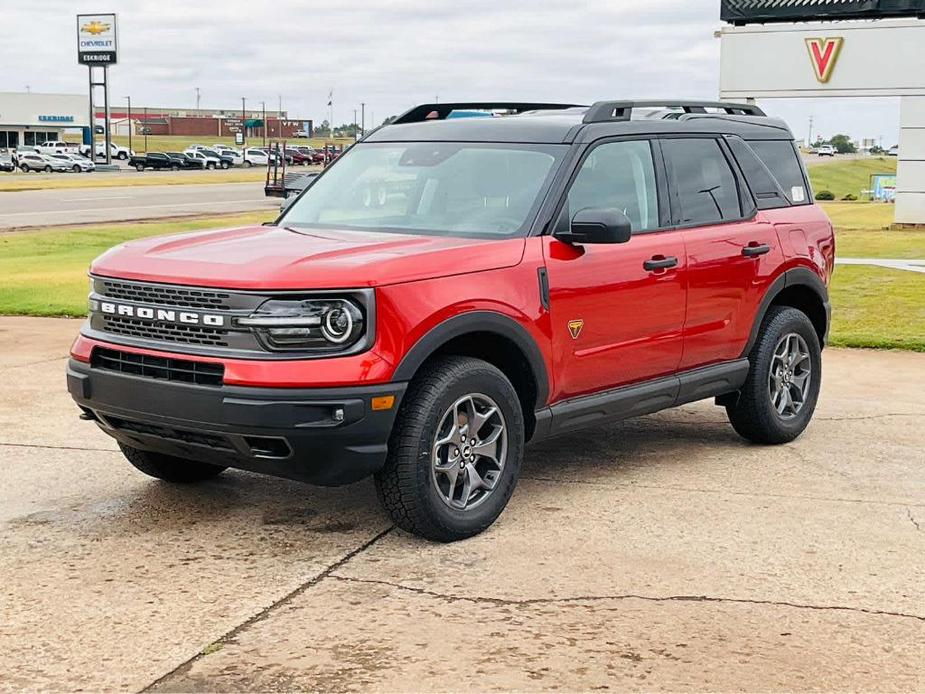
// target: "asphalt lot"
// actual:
[[663, 553], [110, 204]]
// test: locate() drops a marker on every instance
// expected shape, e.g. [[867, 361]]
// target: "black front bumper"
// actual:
[[327, 436]]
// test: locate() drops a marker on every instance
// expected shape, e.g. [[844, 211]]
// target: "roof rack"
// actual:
[[425, 112], [605, 111]]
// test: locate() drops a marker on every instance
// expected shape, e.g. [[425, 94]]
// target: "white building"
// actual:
[[30, 119]]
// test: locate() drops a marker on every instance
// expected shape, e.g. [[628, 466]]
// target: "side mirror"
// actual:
[[598, 225]]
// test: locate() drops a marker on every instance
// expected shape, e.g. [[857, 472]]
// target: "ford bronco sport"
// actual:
[[453, 288]]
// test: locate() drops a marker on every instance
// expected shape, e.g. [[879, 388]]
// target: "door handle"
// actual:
[[660, 262], [753, 249]]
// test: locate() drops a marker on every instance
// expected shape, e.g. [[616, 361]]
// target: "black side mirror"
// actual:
[[598, 225]]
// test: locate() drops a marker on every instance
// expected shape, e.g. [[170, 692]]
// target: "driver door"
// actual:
[[617, 310]]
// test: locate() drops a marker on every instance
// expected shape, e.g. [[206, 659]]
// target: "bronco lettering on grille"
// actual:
[[162, 315]]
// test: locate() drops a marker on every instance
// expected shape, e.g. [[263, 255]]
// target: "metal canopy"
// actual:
[[740, 12]]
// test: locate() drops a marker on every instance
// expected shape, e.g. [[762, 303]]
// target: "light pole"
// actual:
[[244, 119], [197, 102], [263, 108], [129, 99], [363, 117], [356, 132], [145, 129]]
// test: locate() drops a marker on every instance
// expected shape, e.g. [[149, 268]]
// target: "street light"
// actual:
[[243, 120], [129, 99], [263, 108]]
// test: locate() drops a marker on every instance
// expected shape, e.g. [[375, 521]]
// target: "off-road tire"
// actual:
[[405, 485], [169, 468], [752, 414]]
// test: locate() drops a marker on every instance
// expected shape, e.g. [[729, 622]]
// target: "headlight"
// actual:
[[323, 325]]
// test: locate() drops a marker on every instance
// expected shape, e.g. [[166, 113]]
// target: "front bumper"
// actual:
[[326, 436]]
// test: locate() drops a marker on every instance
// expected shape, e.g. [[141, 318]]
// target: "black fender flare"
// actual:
[[790, 278], [482, 322]]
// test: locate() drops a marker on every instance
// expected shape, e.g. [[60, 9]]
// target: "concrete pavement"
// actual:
[[909, 265], [82, 205], [663, 553]]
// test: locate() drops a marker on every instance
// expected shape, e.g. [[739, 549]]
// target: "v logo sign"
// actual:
[[822, 54]]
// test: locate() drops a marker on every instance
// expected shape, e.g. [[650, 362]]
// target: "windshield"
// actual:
[[444, 188]]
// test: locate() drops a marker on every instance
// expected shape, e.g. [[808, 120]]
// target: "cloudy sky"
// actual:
[[395, 53]]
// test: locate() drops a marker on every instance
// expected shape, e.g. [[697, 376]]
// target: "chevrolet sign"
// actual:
[[96, 39]]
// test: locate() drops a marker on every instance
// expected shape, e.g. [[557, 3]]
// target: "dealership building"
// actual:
[[28, 119]]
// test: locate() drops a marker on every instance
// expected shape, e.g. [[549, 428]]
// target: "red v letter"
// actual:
[[823, 53]]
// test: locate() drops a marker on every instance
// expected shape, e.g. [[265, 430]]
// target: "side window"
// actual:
[[781, 159], [706, 187], [617, 175]]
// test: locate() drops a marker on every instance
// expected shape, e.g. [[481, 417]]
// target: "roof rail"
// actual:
[[424, 112], [604, 111]]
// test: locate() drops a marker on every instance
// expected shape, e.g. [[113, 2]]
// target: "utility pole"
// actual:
[[244, 119], [356, 131], [363, 117], [197, 102], [129, 99], [263, 107], [146, 129], [809, 138], [279, 109]]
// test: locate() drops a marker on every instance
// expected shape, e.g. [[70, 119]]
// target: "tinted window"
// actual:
[[763, 185], [781, 158], [705, 184], [617, 175]]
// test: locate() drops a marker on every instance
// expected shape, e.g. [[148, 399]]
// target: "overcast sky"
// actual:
[[393, 54]]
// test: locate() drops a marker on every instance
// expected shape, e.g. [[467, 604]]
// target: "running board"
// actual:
[[641, 398]]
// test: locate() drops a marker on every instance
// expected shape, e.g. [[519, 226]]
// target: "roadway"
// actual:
[[112, 204]]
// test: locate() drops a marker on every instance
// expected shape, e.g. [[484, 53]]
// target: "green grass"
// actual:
[[878, 307], [44, 273], [851, 176], [859, 215]]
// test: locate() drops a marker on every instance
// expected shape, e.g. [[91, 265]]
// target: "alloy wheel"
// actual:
[[790, 375], [469, 451]]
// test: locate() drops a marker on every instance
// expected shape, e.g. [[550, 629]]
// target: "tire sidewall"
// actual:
[[785, 322], [466, 522]]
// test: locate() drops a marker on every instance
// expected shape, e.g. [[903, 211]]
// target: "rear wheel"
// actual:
[[211, 166], [76, 168], [47, 169], [122, 155], [779, 396], [247, 164], [24, 168], [455, 450], [139, 167], [169, 468], [174, 167], [224, 164]]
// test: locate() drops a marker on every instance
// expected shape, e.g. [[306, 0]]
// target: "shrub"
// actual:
[[850, 196], [825, 195]]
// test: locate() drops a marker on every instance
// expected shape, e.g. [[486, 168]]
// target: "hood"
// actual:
[[267, 257]]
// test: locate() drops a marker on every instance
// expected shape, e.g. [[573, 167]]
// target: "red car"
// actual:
[[453, 288]]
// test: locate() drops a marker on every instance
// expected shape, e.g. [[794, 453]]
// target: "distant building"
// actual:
[[202, 122], [29, 119]]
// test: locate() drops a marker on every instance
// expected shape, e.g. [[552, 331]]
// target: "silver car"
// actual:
[[33, 161], [78, 164]]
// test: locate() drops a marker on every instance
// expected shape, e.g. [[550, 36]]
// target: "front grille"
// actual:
[[159, 368], [167, 295], [185, 334], [170, 433]]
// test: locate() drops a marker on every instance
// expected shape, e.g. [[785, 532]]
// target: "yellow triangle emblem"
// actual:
[[574, 327]]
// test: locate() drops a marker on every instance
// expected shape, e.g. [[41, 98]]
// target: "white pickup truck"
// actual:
[[57, 147], [117, 151]]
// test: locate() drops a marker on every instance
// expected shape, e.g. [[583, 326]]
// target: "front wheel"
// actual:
[[247, 164], [224, 164], [210, 166], [455, 450], [779, 396], [139, 167], [168, 468], [24, 168], [174, 168], [122, 155], [47, 169]]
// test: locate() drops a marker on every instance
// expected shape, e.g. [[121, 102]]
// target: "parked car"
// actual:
[[224, 148], [316, 155], [302, 133], [79, 164], [33, 161], [893, 151], [522, 277], [185, 162], [6, 162], [57, 147], [825, 151], [209, 161], [153, 160], [226, 161], [116, 151], [233, 156], [255, 157], [297, 156]]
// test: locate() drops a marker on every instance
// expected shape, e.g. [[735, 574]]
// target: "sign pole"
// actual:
[[106, 121], [92, 117]]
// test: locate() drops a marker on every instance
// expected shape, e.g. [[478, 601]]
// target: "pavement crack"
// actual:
[[699, 490], [913, 520], [577, 600], [266, 611]]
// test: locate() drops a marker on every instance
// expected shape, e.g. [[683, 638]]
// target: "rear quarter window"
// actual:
[[782, 160]]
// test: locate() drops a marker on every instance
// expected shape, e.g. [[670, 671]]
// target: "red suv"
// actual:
[[453, 288]]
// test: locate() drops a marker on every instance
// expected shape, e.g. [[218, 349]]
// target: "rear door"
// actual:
[[617, 310], [732, 252]]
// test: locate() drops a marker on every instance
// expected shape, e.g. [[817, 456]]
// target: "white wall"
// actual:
[[24, 109], [910, 178]]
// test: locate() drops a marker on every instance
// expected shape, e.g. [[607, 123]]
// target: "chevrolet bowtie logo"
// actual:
[[95, 28]]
